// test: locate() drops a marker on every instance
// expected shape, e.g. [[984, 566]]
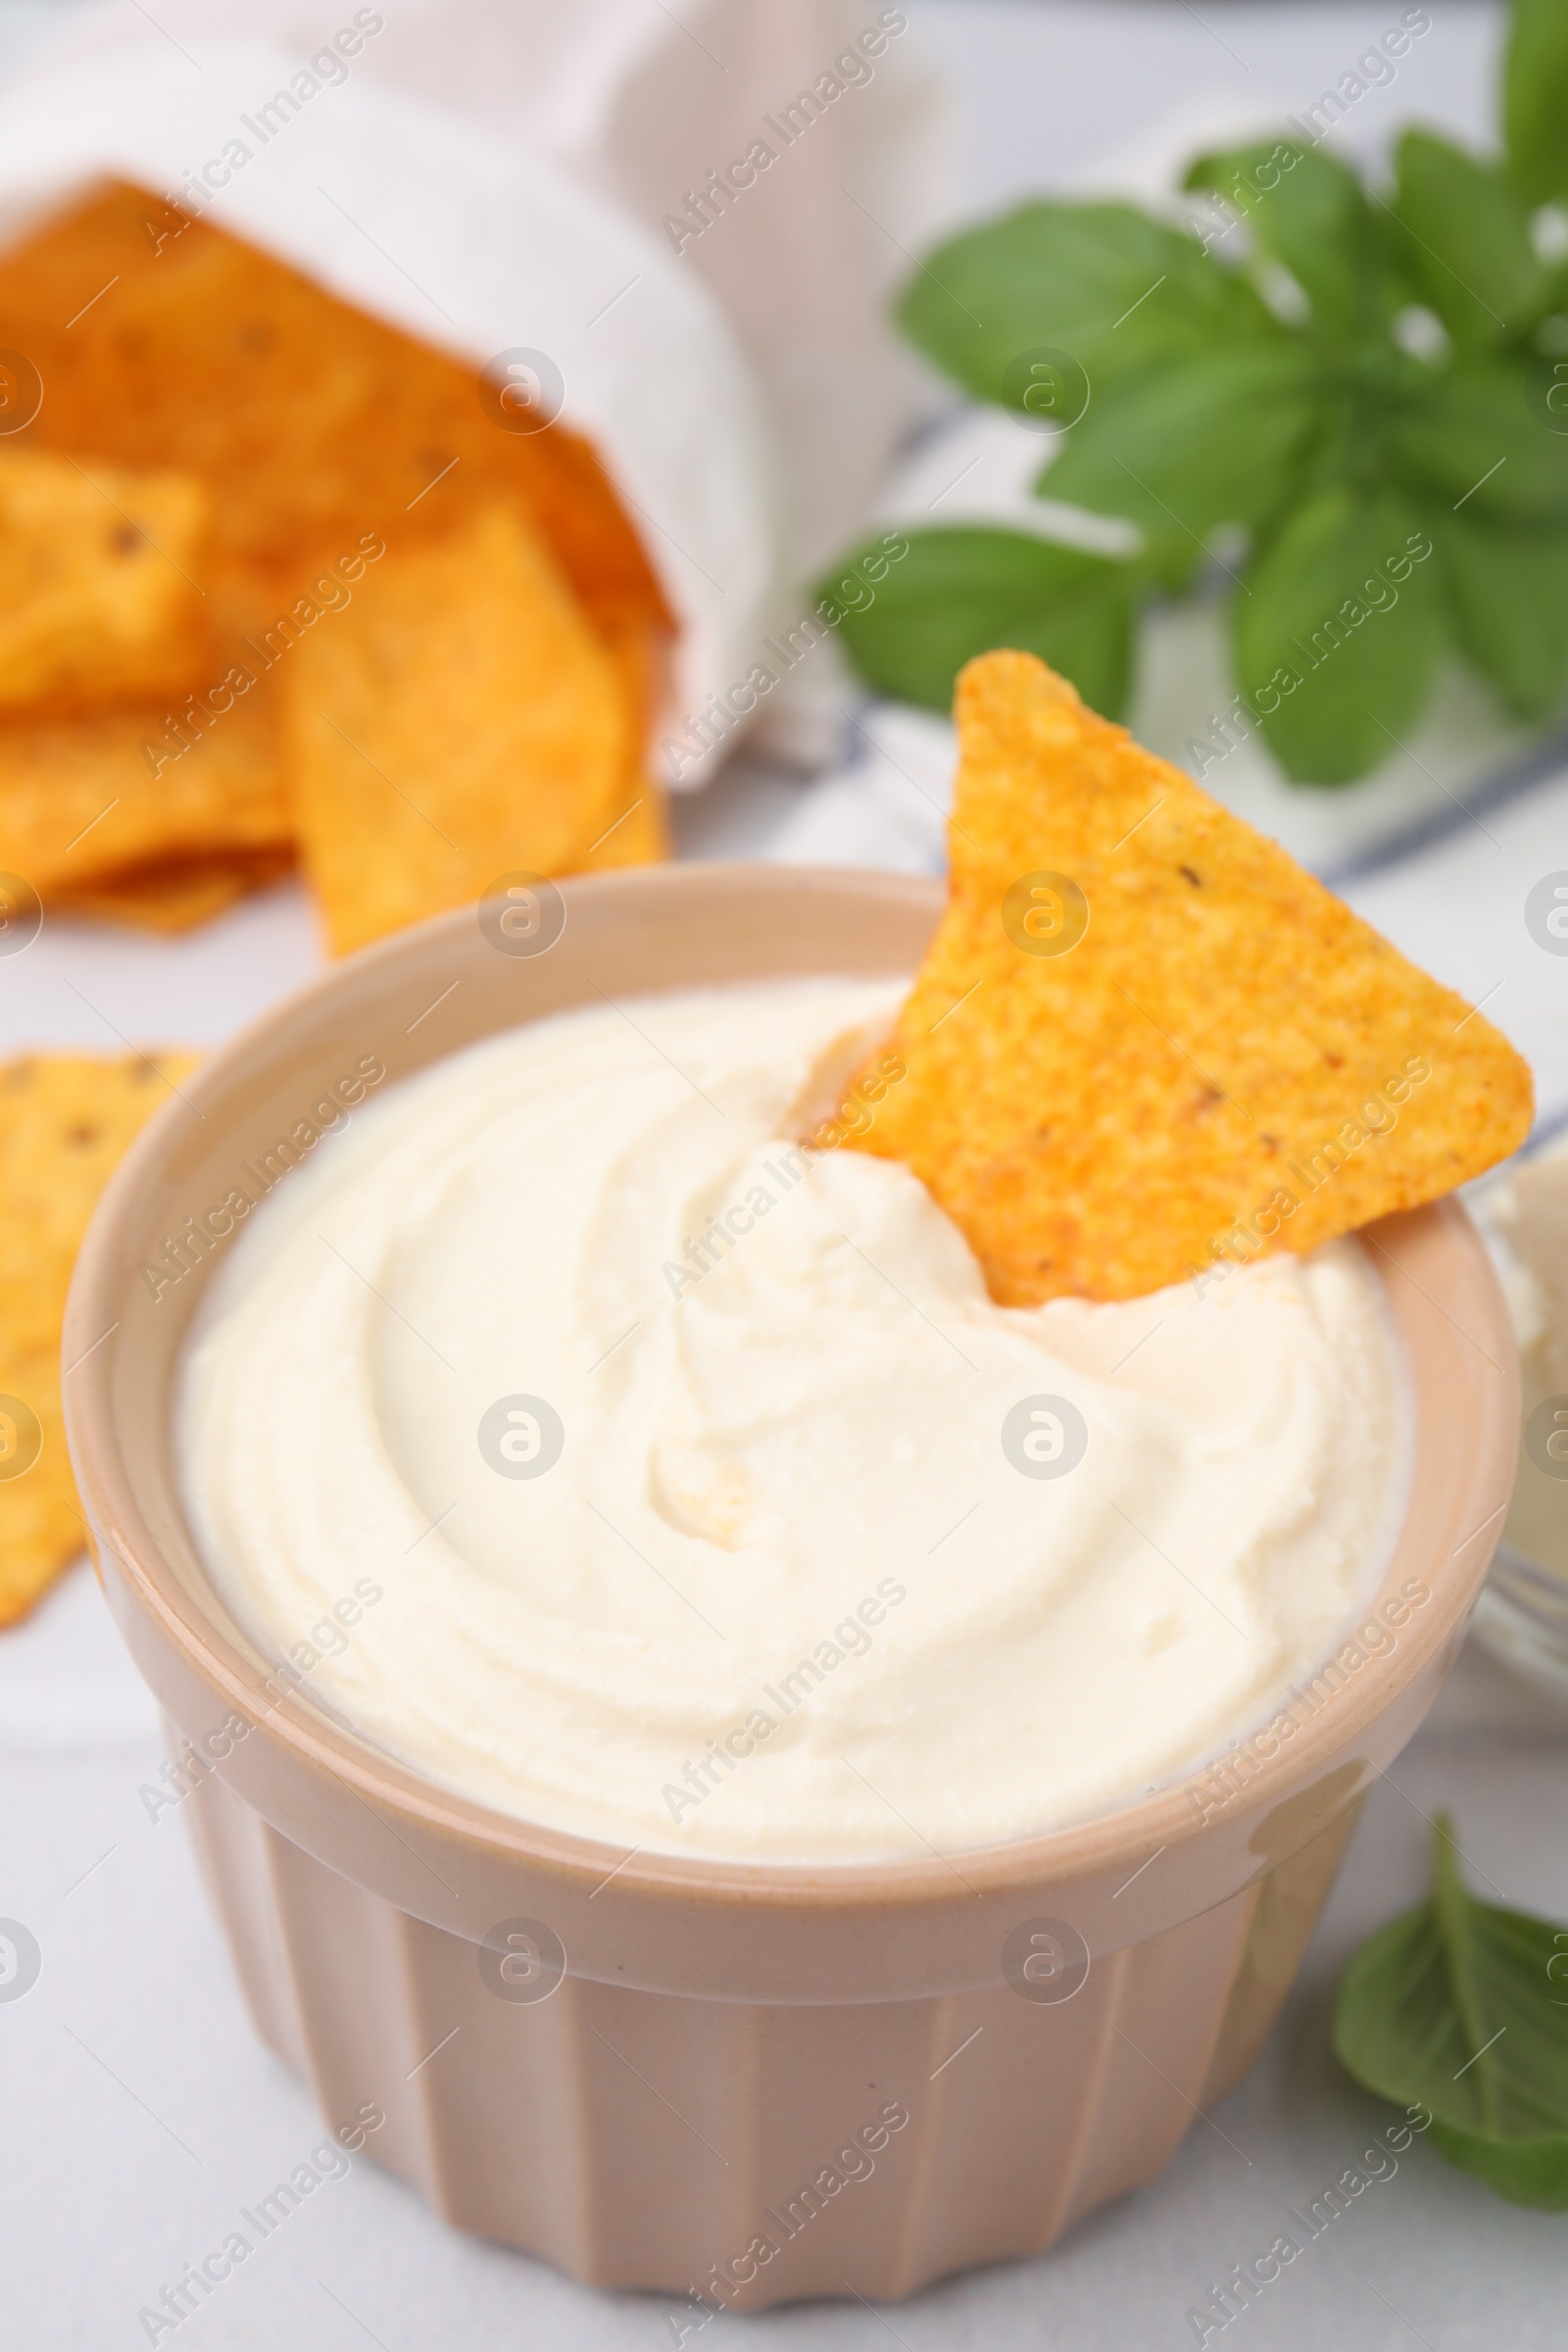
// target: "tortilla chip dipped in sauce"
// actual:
[[1143, 1042]]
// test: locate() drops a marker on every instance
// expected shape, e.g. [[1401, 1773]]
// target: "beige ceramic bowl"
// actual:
[[762, 2083]]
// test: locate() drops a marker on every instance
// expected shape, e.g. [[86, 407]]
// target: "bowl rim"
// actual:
[[1163, 1817]]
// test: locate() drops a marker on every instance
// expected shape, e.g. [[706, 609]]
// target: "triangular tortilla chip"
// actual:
[[460, 720], [1203, 1058]]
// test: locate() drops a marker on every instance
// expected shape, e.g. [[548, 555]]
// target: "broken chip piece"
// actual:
[[99, 602], [1145, 1043], [65, 1121], [84, 797]]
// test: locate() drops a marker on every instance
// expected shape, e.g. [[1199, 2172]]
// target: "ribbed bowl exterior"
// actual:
[[638, 2139], [759, 2083]]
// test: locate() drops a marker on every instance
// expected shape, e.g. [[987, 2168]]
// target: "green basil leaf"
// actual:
[[963, 592], [1467, 241], [1307, 212], [1461, 2007], [1509, 596], [1535, 99], [1482, 436], [1331, 645], [1187, 445], [1102, 282]]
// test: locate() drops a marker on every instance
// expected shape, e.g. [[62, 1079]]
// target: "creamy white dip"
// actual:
[[780, 1589], [1524, 1216]]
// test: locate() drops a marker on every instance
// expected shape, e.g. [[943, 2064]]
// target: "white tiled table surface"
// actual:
[[138, 2110]]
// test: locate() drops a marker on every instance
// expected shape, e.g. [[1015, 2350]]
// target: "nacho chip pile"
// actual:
[[63, 1125], [275, 586], [1145, 1045], [274, 589]]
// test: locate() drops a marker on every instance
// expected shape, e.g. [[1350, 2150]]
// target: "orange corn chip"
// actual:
[[460, 720], [99, 602], [65, 1123], [81, 797], [1143, 1042]]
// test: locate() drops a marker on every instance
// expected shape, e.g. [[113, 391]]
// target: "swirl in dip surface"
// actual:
[[783, 1595]]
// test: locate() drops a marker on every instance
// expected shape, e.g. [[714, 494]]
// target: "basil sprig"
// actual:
[[1385, 367], [1462, 2008]]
